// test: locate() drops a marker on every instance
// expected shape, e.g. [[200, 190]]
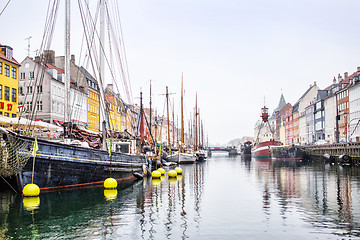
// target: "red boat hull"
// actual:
[[261, 150]]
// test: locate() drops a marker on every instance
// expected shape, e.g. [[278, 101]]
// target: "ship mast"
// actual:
[[182, 113], [150, 111], [173, 126], [67, 61], [168, 118], [195, 125]]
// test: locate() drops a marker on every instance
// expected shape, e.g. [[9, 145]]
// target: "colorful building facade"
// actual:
[[9, 82]]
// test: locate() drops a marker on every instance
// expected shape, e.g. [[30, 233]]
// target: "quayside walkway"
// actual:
[[351, 149]]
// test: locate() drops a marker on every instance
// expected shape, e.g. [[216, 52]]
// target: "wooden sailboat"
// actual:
[[181, 156], [65, 165]]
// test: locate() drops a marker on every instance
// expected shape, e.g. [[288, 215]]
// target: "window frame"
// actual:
[[13, 91], [7, 94]]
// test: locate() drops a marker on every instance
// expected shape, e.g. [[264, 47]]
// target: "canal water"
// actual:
[[221, 198]]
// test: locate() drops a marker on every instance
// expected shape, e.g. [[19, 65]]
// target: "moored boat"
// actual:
[[261, 148], [181, 158], [70, 163], [292, 153], [58, 165], [246, 148]]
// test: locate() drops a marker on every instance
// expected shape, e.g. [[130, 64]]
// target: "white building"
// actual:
[[354, 108], [308, 97]]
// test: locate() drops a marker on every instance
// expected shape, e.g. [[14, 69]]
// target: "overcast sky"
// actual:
[[233, 53]]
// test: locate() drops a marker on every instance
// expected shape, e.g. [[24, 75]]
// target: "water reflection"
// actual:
[[323, 193], [221, 198]]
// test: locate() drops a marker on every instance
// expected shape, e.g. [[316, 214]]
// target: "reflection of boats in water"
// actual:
[[75, 213]]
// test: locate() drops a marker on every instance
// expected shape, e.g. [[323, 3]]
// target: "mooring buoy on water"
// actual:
[[31, 190], [172, 173], [161, 170], [156, 174], [110, 183], [178, 170]]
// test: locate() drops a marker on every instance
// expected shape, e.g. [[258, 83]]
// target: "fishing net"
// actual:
[[14, 154]]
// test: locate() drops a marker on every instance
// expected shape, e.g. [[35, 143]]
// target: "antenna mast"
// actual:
[[28, 48]]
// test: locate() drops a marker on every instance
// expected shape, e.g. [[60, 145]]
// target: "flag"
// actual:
[[110, 143], [35, 147]]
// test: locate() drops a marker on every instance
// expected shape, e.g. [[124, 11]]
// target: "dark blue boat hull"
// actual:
[[64, 166]]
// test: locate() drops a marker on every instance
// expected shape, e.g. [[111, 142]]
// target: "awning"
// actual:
[[59, 123]]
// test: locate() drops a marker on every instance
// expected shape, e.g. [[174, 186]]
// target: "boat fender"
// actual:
[[138, 175], [344, 158]]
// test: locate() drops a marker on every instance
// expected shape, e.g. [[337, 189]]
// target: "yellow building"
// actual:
[[93, 99], [9, 82], [114, 116], [93, 110]]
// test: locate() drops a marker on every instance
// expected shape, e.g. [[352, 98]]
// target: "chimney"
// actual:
[[339, 78], [73, 58], [37, 59], [314, 83], [49, 56], [334, 80], [111, 87], [346, 74], [358, 69]]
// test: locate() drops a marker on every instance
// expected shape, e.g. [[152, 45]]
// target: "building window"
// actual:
[[14, 72], [20, 90], [28, 106], [39, 89], [13, 95], [1, 69], [7, 114], [7, 94], [13, 115], [29, 90], [22, 76], [31, 75], [39, 106], [0, 91], [7, 70]]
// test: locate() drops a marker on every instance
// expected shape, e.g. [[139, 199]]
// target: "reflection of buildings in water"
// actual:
[[345, 199], [325, 194]]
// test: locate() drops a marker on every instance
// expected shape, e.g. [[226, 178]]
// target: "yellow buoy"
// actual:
[[178, 170], [156, 174], [31, 203], [31, 190], [110, 194], [172, 173], [161, 170], [110, 183]]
